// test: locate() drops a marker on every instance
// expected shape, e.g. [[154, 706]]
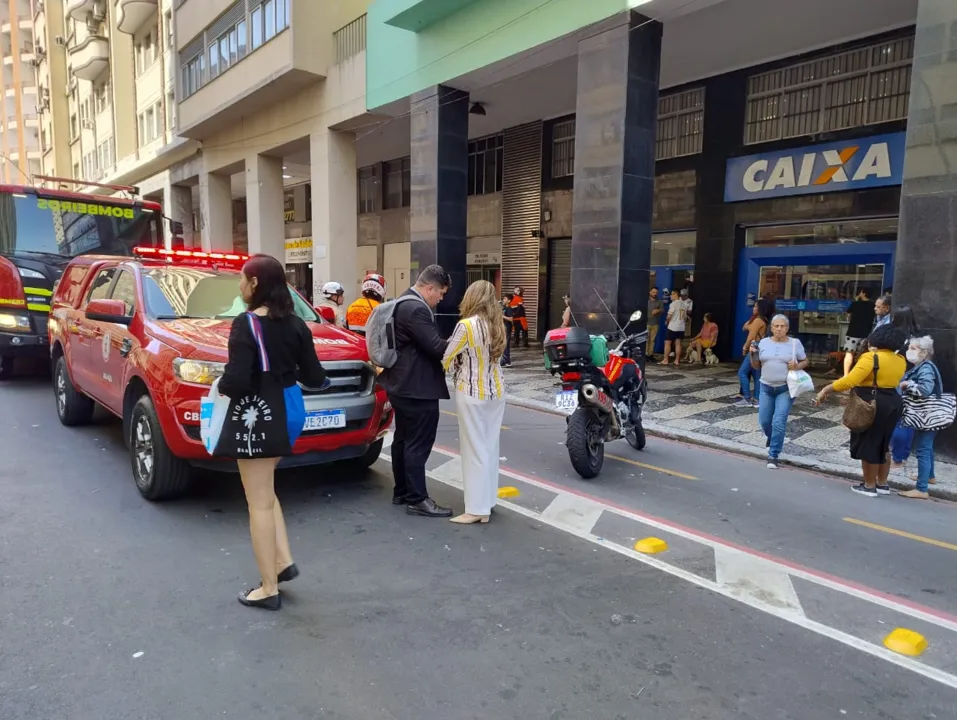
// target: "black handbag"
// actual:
[[267, 422]]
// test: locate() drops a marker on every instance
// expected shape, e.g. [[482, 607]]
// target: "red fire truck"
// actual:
[[41, 230]]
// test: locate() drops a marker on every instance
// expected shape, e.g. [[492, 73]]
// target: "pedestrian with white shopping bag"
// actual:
[[777, 357], [270, 349], [473, 353]]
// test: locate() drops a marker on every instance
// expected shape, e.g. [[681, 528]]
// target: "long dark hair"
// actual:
[[765, 309], [903, 318], [272, 290]]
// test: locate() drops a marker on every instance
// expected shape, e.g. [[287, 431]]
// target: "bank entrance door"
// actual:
[[813, 286]]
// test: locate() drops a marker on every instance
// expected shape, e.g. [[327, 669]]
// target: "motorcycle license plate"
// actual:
[[567, 400]]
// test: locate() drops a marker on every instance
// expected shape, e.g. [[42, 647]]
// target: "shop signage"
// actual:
[[298, 250], [820, 306], [831, 167], [483, 258]]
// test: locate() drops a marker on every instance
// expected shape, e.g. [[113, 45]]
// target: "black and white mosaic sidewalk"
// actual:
[[696, 403]]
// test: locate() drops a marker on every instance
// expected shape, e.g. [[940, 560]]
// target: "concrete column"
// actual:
[[178, 207], [439, 214], [926, 261], [335, 220], [216, 211], [616, 119], [264, 208]]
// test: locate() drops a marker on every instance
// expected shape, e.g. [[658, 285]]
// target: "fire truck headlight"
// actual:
[[14, 323], [199, 372], [27, 273]]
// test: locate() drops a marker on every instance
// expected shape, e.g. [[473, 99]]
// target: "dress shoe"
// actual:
[[428, 508], [469, 519], [290, 573], [273, 602], [914, 494]]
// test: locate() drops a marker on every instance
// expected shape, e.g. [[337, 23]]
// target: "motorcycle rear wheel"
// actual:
[[586, 446]]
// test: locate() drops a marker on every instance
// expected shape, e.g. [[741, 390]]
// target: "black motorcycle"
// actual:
[[606, 402]]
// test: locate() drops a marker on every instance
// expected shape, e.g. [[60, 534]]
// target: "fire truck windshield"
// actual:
[[30, 224]]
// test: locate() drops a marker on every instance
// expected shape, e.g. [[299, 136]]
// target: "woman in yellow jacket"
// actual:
[[872, 446]]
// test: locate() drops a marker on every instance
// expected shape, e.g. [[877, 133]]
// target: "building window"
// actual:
[[76, 171], [227, 49], [168, 28], [89, 166], [105, 155], [170, 105], [101, 97], [74, 127], [486, 158], [149, 124], [860, 87], [256, 20], [680, 124], [368, 190], [145, 50], [397, 182], [563, 148]]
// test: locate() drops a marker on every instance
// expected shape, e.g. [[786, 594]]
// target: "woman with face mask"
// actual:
[[922, 380]]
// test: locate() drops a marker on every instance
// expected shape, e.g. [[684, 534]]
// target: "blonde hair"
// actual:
[[481, 301]]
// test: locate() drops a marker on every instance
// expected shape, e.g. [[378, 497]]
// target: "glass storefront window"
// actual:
[[851, 231], [816, 297], [673, 248]]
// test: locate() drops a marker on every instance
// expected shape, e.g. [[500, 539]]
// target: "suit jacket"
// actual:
[[418, 371]]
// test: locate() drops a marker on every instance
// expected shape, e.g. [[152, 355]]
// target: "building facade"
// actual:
[[19, 123], [108, 112]]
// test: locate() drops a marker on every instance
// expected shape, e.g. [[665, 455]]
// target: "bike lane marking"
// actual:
[[762, 581]]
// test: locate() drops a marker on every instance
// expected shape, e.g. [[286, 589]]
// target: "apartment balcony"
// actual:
[[90, 57], [131, 15], [81, 9], [274, 61]]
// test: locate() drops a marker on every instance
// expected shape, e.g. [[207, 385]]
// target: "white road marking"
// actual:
[[747, 575], [779, 601], [449, 473], [569, 512]]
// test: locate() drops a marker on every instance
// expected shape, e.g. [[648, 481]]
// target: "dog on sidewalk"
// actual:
[[709, 357]]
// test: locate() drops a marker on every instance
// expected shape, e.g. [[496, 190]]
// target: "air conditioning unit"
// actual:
[[99, 11], [60, 40]]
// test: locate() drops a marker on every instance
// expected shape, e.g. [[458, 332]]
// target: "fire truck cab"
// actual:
[[145, 337]]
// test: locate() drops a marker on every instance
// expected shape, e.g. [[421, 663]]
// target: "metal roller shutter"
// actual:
[[521, 214]]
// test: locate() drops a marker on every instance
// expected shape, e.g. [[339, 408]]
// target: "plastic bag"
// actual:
[[799, 382], [212, 414]]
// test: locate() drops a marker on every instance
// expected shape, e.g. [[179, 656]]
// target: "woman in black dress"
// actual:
[[291, 357]]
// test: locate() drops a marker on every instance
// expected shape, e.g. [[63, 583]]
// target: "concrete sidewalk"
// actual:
[[696, 404]]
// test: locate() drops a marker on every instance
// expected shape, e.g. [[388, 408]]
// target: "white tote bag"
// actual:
[[799, 382], [212, 414]]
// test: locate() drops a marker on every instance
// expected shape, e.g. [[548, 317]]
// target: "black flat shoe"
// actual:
[[399, 501], [273, 602], [290, 573]]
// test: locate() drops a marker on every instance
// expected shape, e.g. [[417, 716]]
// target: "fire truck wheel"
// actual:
[[6, 367], [72, 407], [159, 474]]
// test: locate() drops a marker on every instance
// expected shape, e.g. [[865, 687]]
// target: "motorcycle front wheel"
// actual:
[[636, 437], [585, 443]]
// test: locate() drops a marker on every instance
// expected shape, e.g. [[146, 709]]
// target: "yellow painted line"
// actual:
[[449, 412], [646, 466], [902, 533]]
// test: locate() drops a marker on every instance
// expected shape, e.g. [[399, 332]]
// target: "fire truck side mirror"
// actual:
[[175, 228]]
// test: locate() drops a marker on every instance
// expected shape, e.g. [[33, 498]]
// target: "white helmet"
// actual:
[[331, 289]]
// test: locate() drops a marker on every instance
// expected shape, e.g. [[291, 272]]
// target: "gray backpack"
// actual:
[[380, 332]]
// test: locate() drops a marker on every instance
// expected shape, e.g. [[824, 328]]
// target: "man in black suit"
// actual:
[[415, 385]]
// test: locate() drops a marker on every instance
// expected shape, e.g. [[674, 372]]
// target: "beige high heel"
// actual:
[[467, 519]]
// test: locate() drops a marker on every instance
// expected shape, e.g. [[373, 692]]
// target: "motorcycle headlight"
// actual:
[[14, 323], [27, 273], [198, 372]]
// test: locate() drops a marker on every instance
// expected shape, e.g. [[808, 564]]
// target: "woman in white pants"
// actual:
[[474, 353]]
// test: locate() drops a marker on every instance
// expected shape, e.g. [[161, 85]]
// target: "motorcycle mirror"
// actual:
[[635, 316]]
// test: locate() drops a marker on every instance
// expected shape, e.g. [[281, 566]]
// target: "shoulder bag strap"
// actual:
[[256, 328], [938, 380], [877, 366], [794, 350]]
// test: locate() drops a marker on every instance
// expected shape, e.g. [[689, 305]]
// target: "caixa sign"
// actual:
[[831, 167]]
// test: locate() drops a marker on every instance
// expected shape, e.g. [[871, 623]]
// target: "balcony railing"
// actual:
[[350, 40]]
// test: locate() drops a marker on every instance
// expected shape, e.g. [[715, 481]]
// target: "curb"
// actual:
[[746, 450]]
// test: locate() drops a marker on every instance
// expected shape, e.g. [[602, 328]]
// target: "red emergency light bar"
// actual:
[[188, 254]]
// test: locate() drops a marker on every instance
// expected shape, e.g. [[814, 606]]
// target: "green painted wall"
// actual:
[[400, 62]]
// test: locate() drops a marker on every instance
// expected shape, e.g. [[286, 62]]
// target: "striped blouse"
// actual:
[[473, 370]]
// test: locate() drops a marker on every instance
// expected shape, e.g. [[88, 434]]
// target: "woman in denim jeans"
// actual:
[[756, 328], [922, 380], [775, 356]]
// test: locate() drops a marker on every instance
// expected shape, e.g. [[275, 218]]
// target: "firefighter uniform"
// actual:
[[358, 314]]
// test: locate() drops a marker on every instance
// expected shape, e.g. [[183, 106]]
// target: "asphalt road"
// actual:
[[117, 608], [798, 516]]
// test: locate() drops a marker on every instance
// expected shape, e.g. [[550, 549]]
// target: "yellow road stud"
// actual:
[[906, 642], [651, 545], [508, 492]]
